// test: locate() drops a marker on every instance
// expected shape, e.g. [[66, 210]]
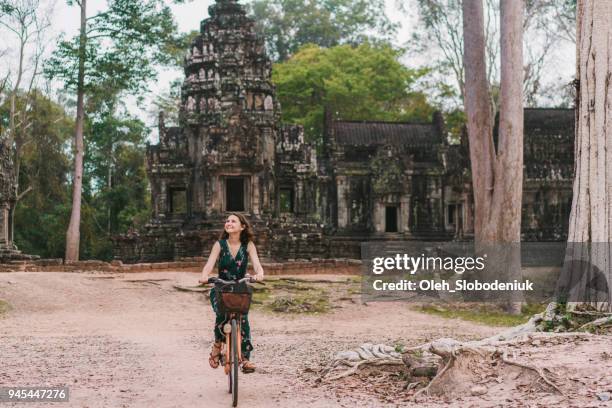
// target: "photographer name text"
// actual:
[[453, 286]]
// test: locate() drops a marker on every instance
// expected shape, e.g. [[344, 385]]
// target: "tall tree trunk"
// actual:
[[497, 171], [508, 192], [590, 233], [479, 114], [73, 232], [497, 177], [13, 108], [109, 186]]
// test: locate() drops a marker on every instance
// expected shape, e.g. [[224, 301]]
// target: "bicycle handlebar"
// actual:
[[248, 279]]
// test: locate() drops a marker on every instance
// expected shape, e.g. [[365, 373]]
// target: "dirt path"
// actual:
[[140, 344]]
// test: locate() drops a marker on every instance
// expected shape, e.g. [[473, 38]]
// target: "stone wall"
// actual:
[[315, 266]]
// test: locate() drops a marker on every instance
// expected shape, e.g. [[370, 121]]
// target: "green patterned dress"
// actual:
[[231, 268]]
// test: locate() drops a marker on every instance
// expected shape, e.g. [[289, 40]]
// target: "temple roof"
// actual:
[[549, 119], [546, 121], [381, 133]]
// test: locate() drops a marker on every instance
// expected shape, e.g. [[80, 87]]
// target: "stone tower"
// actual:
[[229, 116], [221, 158], [229, 120]]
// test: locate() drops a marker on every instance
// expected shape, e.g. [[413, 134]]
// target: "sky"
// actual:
[[65, 19]]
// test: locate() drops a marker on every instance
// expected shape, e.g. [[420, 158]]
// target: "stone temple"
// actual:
[[368, 181]]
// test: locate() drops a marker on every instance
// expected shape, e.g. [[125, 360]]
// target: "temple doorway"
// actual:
[[391, 218], [234, 194]]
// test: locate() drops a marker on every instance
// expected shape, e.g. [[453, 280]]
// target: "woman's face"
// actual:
[[232, 224]]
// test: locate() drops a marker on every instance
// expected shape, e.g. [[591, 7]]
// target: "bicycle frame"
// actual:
[[228, 340], [233, 324], [227, 328]]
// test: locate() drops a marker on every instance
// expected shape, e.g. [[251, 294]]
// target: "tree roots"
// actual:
[[458, 368]]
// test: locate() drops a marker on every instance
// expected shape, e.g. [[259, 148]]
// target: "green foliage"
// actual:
[[367, 82], [124, 43], [116, 197], [168, 102], [115, 141], [287, 25], [6, 7], [386, 174], [455, 123], [176, 47], [119, 52], [42, 214], [488, 314]]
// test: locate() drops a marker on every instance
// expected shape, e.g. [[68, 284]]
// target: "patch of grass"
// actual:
[[261, 295], [4, 307], [353, 279], [291, 285], [301, 304], [488, 314], [298, 295], [530, 309]]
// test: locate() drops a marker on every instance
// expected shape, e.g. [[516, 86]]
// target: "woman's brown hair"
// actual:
[[246, 235]]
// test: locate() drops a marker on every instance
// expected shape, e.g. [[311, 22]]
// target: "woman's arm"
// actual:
[[259, 272], [210, 263]]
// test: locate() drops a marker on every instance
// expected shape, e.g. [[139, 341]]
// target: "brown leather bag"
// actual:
[[236, 301]]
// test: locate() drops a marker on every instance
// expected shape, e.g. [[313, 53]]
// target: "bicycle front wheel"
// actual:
[[229, 380], [235, 363]]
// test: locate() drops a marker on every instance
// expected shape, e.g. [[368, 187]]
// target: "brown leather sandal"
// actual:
[[215, 355], [247, 366]]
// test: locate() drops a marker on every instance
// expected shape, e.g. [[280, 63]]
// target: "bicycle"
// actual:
[[234, 301]]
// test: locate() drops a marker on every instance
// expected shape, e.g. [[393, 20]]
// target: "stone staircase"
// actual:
[[9, 253]]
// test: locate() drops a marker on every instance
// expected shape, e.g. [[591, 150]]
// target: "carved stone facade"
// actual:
[[8, 196], [368, 180]]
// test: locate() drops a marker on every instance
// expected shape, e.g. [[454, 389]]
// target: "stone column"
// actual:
[[255, 181], [163, 199], [4, 238], [468, 222], [379, 217], [299, 196], [342, 189], [404, 224], [216, 199]]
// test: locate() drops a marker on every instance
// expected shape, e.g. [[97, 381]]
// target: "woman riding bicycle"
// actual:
[[233, 250]]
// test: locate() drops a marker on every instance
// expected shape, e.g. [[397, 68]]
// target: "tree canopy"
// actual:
[[289, 24], [123, 45], [366, 82], [42, 213], [115, 52]]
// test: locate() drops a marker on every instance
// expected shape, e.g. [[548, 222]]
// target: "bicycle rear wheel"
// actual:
[[235, 363]]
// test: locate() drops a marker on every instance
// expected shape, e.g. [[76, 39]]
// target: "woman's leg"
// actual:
[[219, 318], [246, 345], [215, 354]]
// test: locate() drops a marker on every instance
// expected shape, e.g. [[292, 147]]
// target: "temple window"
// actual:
[[178, 201]]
